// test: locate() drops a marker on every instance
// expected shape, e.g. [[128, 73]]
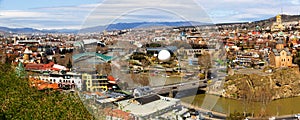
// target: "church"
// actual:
[[280, 56]]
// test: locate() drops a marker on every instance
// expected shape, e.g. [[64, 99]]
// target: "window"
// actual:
[[288, 59]]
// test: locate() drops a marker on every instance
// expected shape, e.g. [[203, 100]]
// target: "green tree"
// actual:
[[69, 65], [236, 116]]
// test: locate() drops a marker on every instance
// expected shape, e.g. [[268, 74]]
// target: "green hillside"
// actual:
[[19, 101]]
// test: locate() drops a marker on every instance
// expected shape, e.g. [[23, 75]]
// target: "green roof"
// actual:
[[99, 55]]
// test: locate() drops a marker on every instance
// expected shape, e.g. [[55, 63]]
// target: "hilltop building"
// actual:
[[277, 26]]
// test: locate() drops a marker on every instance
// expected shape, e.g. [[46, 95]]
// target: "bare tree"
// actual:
[[141, 79], [104, 68], [204, 60]]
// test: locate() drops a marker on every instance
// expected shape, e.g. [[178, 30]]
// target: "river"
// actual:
[[273, 108], [225, 105]]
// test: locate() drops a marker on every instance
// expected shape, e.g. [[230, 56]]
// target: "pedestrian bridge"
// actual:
[[99, 55]]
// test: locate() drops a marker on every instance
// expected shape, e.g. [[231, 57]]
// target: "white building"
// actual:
[[69, 79]]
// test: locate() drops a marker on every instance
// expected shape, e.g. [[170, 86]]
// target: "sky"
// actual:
[[77, 14]]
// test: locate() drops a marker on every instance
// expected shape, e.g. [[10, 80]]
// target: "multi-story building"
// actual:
[[93, 82]]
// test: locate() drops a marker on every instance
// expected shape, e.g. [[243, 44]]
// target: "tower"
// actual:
[[280, 44], [277, 26], [278, 19]]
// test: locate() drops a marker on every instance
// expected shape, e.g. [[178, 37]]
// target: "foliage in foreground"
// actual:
[[19, 101]]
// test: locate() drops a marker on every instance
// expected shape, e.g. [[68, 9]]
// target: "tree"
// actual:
[[20, 101], [204, 60], [104, 68], [153, 45], [69, 65], [145, 62], [45, 60], [237, 116], [140, 79], [54, 60], [297, 61]]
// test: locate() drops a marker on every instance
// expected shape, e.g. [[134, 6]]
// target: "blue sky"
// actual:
[[76, 14]]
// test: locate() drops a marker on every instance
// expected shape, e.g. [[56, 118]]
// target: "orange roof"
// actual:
[[111, 78], [118, 113], [48, 86]]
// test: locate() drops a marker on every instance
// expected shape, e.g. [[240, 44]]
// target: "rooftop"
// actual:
[[154, 105]]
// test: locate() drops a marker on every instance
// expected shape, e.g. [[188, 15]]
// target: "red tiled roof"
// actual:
[[110, 78], [118, 113], [39, 66]]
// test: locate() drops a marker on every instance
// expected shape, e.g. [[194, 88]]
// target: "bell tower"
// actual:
[[278, 19]]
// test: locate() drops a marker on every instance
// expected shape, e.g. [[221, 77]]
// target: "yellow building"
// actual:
[[277, 26], [281, 57], [95, 82]]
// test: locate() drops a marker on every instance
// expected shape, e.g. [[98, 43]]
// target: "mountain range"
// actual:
[[121, 26]]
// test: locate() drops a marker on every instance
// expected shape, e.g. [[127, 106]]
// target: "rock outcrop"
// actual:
[[282, 83]]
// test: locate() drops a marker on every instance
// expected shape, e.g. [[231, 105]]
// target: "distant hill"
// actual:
[[117, 26], [122, 26], [270, 21], [19, 30], [267, 22], [32, 30]]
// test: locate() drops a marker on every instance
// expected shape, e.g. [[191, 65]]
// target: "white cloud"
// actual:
[[20, 14], [149, 10], [295, 2], [87, 15]]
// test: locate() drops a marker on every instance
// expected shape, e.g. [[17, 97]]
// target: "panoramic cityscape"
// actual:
[[129, 60]]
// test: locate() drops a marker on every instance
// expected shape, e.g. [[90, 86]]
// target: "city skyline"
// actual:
[[77, 14]]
